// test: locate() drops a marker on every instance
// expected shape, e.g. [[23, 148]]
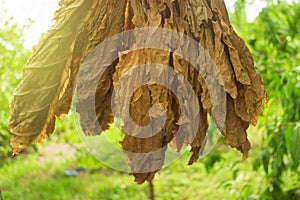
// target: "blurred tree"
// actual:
[[274, 40], [13, 56]]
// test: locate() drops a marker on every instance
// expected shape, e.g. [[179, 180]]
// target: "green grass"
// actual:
[[40, 175], [26, 177]]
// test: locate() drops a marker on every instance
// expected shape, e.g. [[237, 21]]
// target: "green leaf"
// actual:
[[288, 134], [295, 146], [258, 160], [266, 159]]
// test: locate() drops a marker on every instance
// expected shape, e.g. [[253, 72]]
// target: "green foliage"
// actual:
[[12, 58], [274, 40]]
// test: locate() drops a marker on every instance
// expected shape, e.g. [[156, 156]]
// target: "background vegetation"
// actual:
[[271, 172], [13, 56], [274, 40]]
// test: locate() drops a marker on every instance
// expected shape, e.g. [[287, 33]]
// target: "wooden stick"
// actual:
[[152, 194], [1, 197]]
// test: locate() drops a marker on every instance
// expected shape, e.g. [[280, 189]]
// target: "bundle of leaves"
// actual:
[[46, 90]]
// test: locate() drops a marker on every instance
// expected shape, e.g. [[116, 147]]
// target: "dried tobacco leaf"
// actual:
[[139, 149], [46, 89]]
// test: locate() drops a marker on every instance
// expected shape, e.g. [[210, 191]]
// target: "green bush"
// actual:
[[274, 41]]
